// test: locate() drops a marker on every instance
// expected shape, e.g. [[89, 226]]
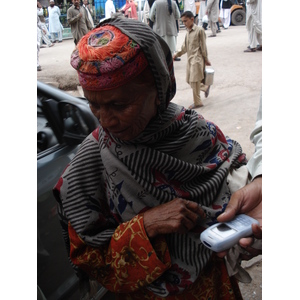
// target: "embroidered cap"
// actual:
[[105, 58]]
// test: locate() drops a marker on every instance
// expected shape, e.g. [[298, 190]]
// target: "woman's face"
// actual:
[[125, 111]]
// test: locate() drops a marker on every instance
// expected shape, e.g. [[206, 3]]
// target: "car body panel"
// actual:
[[55, 276]]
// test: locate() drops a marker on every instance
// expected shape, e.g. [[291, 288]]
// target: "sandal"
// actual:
[[207, 92], [250, 50]]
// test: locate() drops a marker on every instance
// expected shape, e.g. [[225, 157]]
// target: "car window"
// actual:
[[45, 135]]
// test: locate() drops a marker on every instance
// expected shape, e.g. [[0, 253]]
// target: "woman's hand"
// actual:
[[178, 215]]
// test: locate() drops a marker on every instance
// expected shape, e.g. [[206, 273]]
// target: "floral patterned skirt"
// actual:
[[213, 284]]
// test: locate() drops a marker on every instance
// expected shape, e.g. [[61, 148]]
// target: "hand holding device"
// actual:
[[223, 236]]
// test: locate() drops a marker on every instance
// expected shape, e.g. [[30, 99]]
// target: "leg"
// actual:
[[60, 36], [45, 36], [196, 86], [213, 27], [52, 37], [252, 40]]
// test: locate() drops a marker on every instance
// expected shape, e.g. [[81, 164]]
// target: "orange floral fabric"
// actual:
[[213, 284], [128, 263]]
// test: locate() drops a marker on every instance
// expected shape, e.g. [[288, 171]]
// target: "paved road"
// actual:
[[232, 103]]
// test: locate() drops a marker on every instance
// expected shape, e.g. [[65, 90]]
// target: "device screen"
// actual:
[[223, 230]]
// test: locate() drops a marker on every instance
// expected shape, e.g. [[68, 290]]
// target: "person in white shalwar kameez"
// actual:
[[44, 32], [55, 26], [202, 11], [225, 13], [190, 5], [109, 8], [254, 25]]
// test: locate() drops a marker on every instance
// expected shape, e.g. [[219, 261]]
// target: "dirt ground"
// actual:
[[232, 103]]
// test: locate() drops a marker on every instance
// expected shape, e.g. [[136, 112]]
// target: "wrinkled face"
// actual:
[[125, 111], [188, 22]]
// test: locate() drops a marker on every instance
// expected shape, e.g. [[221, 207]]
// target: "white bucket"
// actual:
[[209, 75]]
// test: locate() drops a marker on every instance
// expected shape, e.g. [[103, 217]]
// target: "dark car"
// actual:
[[63, 121]]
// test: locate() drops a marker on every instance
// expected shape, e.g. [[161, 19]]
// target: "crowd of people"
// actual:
[[154, 174]]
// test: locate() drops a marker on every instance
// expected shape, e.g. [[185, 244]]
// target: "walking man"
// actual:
[[44, 32], [213, 16], [78, 20], [194, 46], [55, 27]]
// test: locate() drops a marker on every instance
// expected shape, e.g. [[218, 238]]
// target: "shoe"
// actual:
[[53, 41], [259, 48], [51, 45], [177, 59], [39, 68], [218, 31], [212, 35], [60, 41], [250, 50], [193, 106], [207, 92]]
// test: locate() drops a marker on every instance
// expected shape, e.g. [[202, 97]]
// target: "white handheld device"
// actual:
[[222, 236]]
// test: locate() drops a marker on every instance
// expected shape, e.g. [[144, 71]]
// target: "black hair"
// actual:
[[187, 14]]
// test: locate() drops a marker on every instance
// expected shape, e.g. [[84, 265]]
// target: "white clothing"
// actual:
[[225, 16], [190, 5], [109, 8], [146, 12], [254, 22], [39, 27], [56, 36], [89, 15], [254, 165], [44, 36], [202, 11], [54, 23]]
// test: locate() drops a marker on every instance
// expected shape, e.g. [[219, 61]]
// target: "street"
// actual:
[[232, 103]]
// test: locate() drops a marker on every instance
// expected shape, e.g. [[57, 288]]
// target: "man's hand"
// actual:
[[247, 200], [178, 215]]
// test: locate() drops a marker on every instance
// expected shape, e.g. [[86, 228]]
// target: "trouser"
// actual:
[[197, 87], [213, 27], [45, 35], [53, 36], [255, 35]]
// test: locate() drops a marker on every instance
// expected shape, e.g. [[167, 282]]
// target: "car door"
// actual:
[[55, 149], [55, 276]]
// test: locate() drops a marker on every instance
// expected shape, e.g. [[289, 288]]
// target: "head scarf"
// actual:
[[117, 51]]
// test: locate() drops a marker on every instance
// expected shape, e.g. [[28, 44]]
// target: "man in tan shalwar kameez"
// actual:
[[78, 20], [195, 47]]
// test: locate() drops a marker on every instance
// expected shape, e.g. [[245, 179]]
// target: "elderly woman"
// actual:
[[152, 176]]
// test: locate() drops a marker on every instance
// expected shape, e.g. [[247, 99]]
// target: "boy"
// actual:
[[195, 47]]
